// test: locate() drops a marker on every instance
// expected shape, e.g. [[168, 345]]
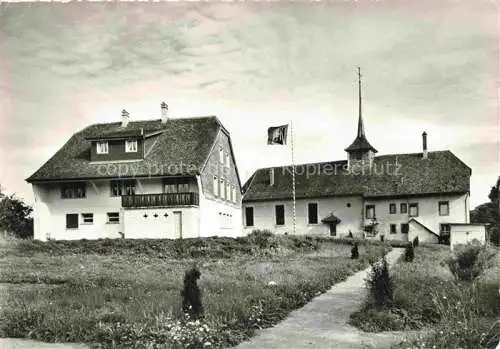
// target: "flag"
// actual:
[[277, 134]]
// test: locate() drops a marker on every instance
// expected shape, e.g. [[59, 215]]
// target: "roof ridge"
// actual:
[[339, 161], [152, 120]]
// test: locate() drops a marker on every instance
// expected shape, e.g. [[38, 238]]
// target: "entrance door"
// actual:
[[333, 229], [178, 224]]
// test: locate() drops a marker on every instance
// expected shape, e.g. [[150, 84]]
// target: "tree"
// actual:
[[489, 213], [15, 216]]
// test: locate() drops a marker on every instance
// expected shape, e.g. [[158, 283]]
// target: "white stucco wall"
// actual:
[[264, 215], [50, 214], [416, 230], [139, 227], [428, 214], [466, 233]]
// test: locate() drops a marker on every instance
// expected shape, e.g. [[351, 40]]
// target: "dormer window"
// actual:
[[102, 147], [131, 146]]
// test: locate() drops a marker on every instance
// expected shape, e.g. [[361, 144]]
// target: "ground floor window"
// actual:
[[113, 217], [72, 221], [312, 210], [280, 214], [405, 228], [444, 234], [87, 218], [249, 216], [393, 229]]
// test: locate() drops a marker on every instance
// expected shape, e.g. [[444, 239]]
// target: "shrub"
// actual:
[[469, 261], [409, 253], [263, 238], [415, 241], [354, 251], [380, 284], [191, 295]]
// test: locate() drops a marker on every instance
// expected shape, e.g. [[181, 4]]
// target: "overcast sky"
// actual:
[[426, 65]]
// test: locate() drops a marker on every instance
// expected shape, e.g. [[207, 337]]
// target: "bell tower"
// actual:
[[360, 152]]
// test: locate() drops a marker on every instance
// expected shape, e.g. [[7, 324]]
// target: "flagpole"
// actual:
[[293, 178]]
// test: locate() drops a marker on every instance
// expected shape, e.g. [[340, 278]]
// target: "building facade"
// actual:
[[396, 197], [166, 178]]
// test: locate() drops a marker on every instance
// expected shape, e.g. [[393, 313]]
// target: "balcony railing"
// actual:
[[160, 200]]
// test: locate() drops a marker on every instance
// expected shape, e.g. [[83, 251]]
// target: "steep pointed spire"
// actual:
[[360, 143], [361, 128]]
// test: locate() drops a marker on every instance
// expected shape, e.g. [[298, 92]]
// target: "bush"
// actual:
[[409, 253], [263, 238], [354, 251], [380, 284], [469, 261], [191, 295]]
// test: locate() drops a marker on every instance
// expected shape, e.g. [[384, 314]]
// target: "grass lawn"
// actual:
[[426, 295], [120, 293]]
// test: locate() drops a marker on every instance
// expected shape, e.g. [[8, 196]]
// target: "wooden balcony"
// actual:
[[160, 200]]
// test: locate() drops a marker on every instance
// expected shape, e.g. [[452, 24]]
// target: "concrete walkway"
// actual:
[[322, 323], [18, 343]]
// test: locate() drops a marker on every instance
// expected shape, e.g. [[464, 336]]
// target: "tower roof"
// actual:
[[360, 143]]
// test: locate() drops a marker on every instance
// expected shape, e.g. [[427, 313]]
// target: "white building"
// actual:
[[399, 196], [164, 178]]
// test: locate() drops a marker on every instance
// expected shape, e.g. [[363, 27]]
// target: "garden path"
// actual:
[[322, 323]]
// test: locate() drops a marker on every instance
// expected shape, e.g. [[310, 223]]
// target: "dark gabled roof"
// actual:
[[180, 147], [360, 144], [331, 218], [392, 175]]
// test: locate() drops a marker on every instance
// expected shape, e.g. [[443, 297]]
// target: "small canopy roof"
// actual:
[[331, 219]]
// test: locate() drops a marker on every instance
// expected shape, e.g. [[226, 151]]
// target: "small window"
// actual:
[[129, 187], [414, 210], [113, 217], [228, 191], [392, 208], [403, 208], [131, 146], [444, 208], [393, 228], [348, 204], [312, 209], [249, 216], [370, 212], [102, 147], [87, 218], [221, 155], [280, 214], [216, 186], [73, 190], [72, 221], [405, 228]]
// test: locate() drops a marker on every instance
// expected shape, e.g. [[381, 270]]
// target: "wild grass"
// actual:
[[460, 306], [122, 294]]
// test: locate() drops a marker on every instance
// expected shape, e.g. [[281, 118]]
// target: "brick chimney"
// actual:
[[125, 118], [164, 112], [424, 145]]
